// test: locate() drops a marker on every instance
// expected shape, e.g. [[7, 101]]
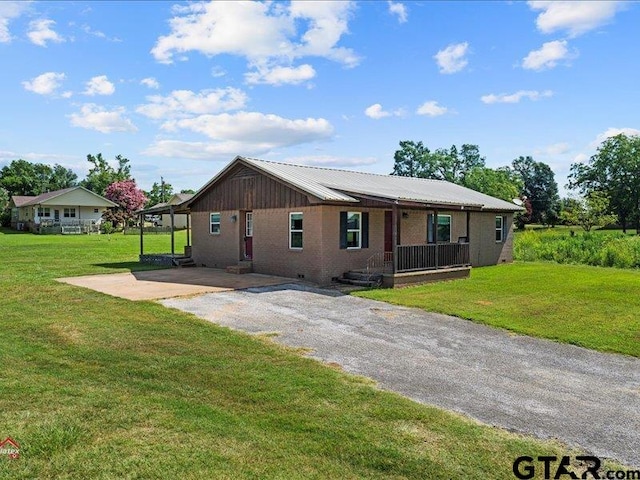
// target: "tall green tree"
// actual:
[[159, 193], [614, 170], [102, 174], [5, 211], [413, 159], [21, 177], [62, 177], [540, 188], [500, 183]]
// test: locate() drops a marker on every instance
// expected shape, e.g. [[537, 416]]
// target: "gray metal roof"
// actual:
[[335, 185], [37, 200]]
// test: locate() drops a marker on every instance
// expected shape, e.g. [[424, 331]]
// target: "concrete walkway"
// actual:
[[171, 282], [551, 390]]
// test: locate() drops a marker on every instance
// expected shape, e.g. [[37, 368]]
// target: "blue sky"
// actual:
[[181, 88]]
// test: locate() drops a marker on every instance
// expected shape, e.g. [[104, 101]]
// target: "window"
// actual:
[[295, 230], [44, 212], [69, 213], [353, 229], [501, 230], [95, 210], [248, 227], [443, 228], [214, 221]]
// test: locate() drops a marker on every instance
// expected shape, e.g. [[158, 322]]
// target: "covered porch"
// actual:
[[421, 244]]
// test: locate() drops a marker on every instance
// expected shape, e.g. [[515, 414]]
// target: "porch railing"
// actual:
[[432, 256], [381, 262]]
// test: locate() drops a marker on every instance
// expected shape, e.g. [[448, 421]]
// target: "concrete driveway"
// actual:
[[581, 397], [171, 282]]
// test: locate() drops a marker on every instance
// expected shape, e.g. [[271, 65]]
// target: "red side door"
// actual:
[[248, 235]]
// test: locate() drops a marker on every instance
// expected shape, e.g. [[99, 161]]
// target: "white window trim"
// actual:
[[211, 223], [291, 230], [67, 211], [248, 222], [359, 230], [501, 228]]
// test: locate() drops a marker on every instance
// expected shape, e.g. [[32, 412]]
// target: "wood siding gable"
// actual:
[[244, 188]]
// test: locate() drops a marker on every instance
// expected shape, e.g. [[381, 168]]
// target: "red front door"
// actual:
[[248, 235], [388, 231]]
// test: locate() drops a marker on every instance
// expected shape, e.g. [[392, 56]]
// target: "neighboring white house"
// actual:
[[179, 220], [71, 210]]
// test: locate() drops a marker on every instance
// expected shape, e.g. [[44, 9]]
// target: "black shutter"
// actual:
[[343, 229], [365, 229]]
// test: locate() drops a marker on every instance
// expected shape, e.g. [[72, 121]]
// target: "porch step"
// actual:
[[240, 268], [361, 279], [184, 262]]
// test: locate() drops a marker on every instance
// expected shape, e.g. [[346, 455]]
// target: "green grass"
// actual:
[[592, 307], [94, 386]]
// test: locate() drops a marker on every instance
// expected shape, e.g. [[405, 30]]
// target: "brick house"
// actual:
[[318, 223]]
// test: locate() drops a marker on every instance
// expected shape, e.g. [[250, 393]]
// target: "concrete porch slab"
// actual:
[[172, 282]]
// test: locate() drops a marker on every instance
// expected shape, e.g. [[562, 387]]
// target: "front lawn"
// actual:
[[588, 306], [99, 387]]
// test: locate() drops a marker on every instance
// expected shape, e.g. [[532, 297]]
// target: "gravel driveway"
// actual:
[[581, 397]]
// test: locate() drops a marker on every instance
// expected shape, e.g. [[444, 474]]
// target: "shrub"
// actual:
[[605, 249]]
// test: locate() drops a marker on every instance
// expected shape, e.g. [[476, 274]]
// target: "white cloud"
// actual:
[[256, 128], [580, 158], [281, 75], [553, 150], [515, 97], [267, 34], [452, 58], [218, 71], [398, 9], [376, 112], [330, 161], [9, 11], [576, 17], [181, 103], [45, 84], [431, 109], [95, 117], [41, 31], [612, 132], [150, 82], [548, 56], [99, 85]]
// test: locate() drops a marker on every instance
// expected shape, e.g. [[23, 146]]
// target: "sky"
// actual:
[[180, 89]]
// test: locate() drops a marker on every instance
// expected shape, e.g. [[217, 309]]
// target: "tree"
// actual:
[[500, 183], [159, 193], [614, 171], [415, 160], [188, 190], [589, 212], [102, 174], [540, 188], [62, 178], [129, 199], [5, 211], [25, 178]]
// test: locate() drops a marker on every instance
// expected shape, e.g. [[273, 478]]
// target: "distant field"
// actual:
[[99, 387], [588, 306]]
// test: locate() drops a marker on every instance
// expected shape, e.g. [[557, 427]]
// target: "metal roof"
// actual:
[[335, 185], [37, 200]]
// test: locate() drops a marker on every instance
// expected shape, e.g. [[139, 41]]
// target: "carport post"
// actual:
[[141, 234], [173, 240], [188, 227]]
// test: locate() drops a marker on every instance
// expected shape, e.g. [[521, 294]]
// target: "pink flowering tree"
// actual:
[[129, 199]]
